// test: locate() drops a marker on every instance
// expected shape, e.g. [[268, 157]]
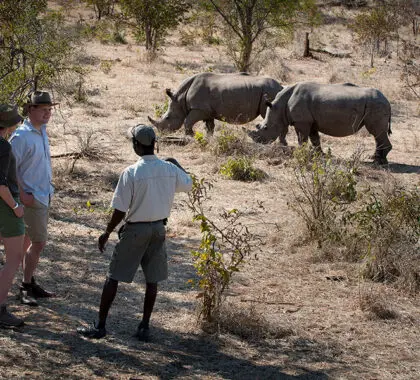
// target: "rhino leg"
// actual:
[[303, 131], [193, 117], [315, 139], [383, 145], [210, 126]]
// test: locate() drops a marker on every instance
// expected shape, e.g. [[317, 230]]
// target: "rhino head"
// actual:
[[173, 117], [265, 132]]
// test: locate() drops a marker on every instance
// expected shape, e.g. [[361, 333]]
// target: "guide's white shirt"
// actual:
[[145, 190]]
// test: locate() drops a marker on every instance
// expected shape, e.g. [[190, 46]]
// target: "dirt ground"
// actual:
[[313, 302]]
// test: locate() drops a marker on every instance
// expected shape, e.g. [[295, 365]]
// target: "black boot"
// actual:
[[39, 292]]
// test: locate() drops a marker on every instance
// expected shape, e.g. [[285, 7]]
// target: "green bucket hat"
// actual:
[[39, 98], [9, 116]]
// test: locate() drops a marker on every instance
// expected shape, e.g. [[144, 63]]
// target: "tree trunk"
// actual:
[[149, 37], [306, 52], [372, 53]]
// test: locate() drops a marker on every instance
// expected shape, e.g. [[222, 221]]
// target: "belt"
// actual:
[[154, 221]]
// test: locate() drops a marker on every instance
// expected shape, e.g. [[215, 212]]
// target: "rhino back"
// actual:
[[336, 109], [235, 98]]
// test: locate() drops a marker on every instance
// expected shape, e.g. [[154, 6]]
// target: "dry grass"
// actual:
[[286, 316]]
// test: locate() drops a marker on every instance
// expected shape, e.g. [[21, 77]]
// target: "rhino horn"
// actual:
[[154, 122]]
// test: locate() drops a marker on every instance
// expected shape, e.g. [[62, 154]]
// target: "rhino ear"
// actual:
[[267, 100], [169, 93]]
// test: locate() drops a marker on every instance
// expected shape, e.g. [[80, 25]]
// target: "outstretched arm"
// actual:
[[116, 218]]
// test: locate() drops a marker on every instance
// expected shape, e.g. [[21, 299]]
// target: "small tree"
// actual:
[[35, 48], [253, 24], [226, 244], [375, 26], [154, 18]]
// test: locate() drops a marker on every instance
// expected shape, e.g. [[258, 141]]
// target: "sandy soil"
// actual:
[[325, 333]]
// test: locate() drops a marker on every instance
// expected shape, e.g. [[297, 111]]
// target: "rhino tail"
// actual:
[[389, 126]]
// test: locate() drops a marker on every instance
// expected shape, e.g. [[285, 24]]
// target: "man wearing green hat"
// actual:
[[31, 148]]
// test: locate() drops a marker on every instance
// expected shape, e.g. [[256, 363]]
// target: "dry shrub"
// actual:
[[249, 324], [229, 143], [61, 170], [375, 306], [386, 231], [275, 153], [187, 37]]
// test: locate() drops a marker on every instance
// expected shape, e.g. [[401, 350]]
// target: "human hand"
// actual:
[[19, 211], [27, 199], [102, 241], [175, 162]]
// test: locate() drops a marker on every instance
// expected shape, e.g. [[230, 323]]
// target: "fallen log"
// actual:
[[331, 53]]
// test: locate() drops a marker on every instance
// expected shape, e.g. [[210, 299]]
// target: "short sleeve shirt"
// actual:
[[146, 190]]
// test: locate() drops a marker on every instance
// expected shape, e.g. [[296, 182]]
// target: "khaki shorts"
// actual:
[[36, 221], [140, 244]]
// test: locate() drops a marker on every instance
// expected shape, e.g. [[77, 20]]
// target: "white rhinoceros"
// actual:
[[334, 109], [235, 98]]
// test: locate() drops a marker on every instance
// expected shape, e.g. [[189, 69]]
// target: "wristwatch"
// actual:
[[15, 206]]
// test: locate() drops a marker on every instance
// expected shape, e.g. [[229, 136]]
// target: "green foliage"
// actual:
[[250, 25], [35, 48], [376, 25], [204, 20], [106, 31], [106, 66], [320, 188], [160, 109], [201, 139], [228, 143], [241, 169], [224, 247], [154, 18]]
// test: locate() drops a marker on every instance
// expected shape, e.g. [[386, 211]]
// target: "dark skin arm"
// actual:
[[116, 218]]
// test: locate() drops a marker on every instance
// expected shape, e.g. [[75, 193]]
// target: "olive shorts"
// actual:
[[10, 224], [36, 221], [140, 244]]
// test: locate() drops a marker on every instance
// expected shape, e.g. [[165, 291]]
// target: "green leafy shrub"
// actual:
[[201, 139], [241, 169], [160, 109], [225, 246]]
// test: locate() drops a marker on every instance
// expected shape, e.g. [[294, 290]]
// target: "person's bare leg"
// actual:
[[143, 333], [13, 248], [31, 259], [108, 295]]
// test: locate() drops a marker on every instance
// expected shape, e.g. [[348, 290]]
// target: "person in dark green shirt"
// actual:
[[12, 228]]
